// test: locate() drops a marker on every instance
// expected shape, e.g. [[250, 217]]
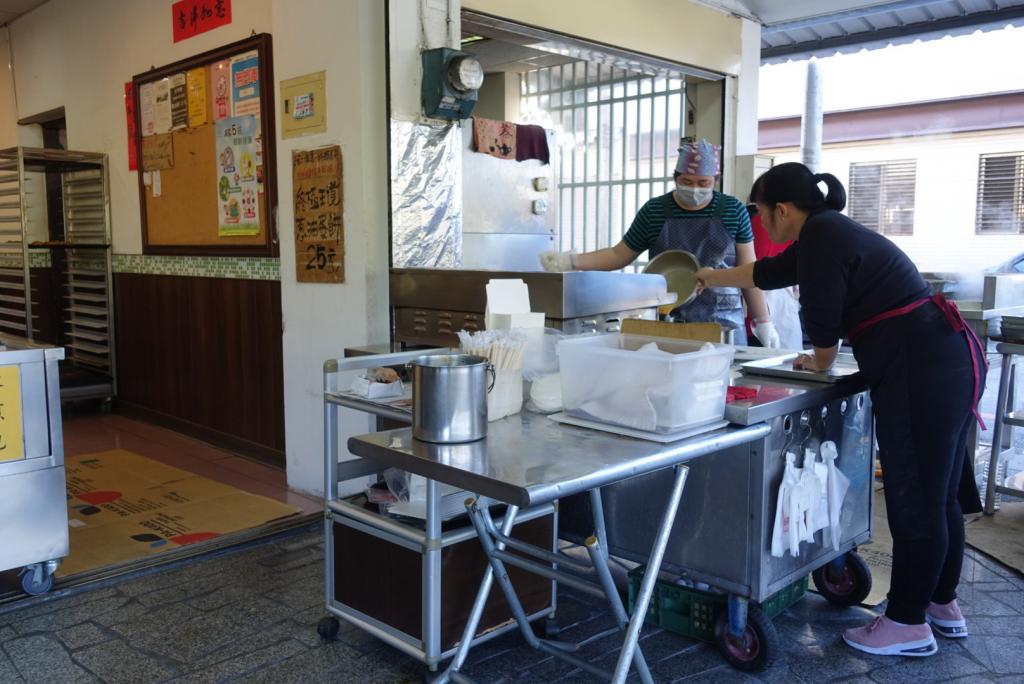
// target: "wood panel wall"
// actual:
[[203, 355]]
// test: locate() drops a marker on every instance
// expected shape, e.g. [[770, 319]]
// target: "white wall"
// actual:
[[320, 320], [8, 113], [80, 54], [945, 201]]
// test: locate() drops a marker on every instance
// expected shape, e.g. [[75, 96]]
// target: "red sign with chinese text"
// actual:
[[129, 110], [192, 17]]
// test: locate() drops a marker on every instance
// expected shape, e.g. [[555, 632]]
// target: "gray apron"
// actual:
[[707, 238]]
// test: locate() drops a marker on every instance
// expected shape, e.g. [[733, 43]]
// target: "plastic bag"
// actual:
[[784, 306], [784, 524], [398, 483], [506, 398], [540, 358], [838, 485], [546, 394], [817, 514]]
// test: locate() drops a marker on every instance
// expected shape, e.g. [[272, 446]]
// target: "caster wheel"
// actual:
[[32, 587], [328, 628], [846, 586], [758, 648]]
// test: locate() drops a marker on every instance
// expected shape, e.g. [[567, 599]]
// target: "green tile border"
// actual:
[[37, 258], [244, 268]]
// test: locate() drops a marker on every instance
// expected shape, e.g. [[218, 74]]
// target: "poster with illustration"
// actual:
[[237, 190], [220, 77], [245, 84], [162, 106]]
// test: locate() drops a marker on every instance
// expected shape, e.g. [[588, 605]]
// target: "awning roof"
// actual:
[[798, 29]]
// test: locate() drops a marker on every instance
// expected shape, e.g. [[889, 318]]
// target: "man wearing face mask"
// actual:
[[712, 226]]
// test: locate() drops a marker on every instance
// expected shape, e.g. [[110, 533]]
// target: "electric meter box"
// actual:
[[451, 81]]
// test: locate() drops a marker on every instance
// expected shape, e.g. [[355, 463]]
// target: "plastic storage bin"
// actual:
[[621, 380]]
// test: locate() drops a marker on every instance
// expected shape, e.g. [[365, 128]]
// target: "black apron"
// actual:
[[708, 239]]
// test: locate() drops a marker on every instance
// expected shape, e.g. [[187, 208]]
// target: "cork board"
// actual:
[[183, 217], [185, 213]]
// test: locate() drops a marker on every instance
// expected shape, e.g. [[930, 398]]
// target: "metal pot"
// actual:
[[449, 397], [678, 268]]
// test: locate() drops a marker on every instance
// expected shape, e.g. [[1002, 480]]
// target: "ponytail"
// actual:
[[794, 182]]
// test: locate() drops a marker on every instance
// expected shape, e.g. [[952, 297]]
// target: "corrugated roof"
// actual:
[[879, 25]]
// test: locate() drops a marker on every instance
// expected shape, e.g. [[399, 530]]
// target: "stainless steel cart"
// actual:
[[430, 557], [723, 537], [33, 498]]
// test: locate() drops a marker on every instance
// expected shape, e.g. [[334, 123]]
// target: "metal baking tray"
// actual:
[[782, 367]]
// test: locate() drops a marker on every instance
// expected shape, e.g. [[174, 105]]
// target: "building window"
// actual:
[[882, 195], [1000, 194], [618, 133]]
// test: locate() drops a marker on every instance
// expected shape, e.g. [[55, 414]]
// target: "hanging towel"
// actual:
[[532, 143], [496, 138]]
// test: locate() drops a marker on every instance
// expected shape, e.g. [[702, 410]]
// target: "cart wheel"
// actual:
[[328, 628], [846, 586], [759, 647], [31, 586]]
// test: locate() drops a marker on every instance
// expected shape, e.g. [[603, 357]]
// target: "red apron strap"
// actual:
[[957, 323]]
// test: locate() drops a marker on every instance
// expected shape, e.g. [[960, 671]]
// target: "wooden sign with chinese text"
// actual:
[[319, 212]]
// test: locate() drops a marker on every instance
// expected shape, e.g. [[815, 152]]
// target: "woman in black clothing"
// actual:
[[925, 369]]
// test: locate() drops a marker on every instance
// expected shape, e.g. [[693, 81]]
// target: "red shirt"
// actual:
[[763, 247]]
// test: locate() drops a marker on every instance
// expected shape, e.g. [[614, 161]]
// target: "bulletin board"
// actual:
[[206, 155]]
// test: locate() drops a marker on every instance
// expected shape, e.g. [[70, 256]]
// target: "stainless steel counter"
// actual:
[[528, 459]]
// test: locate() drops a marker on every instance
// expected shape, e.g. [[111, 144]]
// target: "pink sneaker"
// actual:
[[885, 637], [947, 620]]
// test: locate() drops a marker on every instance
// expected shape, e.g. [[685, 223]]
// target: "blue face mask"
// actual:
[[694, 197]]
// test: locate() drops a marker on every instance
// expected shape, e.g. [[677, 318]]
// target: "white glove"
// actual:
[[768, 335], [557, 262]]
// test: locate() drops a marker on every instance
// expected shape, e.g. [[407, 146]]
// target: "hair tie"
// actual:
[[817, 178]]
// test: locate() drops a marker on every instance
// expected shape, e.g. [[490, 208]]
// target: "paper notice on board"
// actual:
[[162, 106], [147, 108], [245, 84], [196, 85], [237, 191], [157, 152], [179, 103], [220, 76], [319, 215], [147, 178], [156, 184]]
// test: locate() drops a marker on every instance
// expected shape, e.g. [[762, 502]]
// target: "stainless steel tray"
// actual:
[[782, 367]]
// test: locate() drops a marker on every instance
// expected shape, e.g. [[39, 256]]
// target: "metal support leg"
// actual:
[[600, 530], [599, 557], [643, 599], [738, 615], [477, 611], [997, 434], [432, 576]]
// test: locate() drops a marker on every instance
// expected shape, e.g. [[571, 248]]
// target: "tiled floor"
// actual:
[[250, 615], [98, 432]]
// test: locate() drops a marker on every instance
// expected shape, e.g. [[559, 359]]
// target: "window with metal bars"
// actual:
[[618, 132], [1000, 194], [881, 195]]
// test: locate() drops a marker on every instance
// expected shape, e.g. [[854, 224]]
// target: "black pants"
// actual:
[[922, 401]]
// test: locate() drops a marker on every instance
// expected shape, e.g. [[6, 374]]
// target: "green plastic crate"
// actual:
[[692, 612]]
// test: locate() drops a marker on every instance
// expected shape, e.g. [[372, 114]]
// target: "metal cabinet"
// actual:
[[33, 498]]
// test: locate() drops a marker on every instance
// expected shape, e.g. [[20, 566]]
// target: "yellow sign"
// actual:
[[12, 448], [196, 79]]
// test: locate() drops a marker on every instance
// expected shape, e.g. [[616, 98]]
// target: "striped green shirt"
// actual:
[[649, 220]]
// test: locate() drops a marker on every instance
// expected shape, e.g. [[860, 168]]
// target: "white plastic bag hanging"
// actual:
[[816, 478], [838, 485], [781, 534]]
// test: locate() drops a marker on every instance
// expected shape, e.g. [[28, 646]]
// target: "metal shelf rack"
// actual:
[[79, 251]]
